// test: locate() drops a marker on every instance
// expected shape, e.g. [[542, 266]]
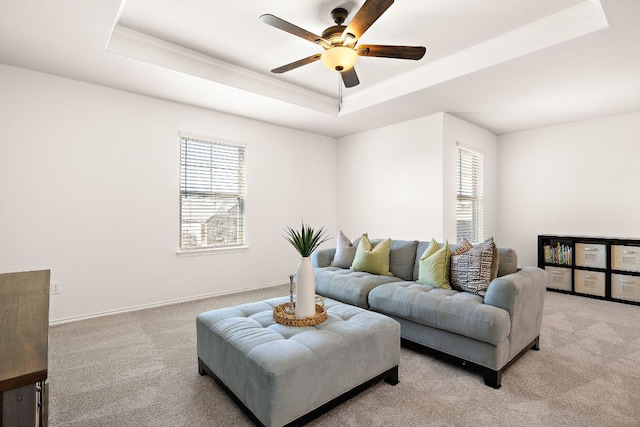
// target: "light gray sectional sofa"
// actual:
[[487, 334]]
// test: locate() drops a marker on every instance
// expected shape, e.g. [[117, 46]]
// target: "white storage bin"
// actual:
[[591, 255], [589, 282], [558, 278], [625, 258], [625, 287]]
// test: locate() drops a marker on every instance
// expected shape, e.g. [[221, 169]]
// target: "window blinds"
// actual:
[[212, 194], [470, 198]]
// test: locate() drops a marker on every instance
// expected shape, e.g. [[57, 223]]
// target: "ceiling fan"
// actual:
[[340, 41]]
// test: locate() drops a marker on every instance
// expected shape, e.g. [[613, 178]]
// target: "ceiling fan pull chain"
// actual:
[[339, 92]]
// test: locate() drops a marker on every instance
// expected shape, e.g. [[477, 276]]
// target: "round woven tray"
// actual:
[[280, 316]]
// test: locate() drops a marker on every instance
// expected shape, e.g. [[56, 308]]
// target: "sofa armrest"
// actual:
[[322, 257], [522, 295]]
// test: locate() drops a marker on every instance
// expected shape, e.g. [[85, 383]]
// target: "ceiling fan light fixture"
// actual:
[[339, 58]]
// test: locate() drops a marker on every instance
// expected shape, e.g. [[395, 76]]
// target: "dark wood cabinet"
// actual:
[[597, 267], [24, 342]]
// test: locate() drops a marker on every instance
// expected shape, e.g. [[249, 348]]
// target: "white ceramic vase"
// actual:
[[305, 289]]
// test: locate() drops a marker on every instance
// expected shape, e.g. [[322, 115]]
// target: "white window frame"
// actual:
[[469, 195], [217, 182]]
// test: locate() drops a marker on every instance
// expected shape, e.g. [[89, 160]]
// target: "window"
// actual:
[[212, 205], [470, 199]]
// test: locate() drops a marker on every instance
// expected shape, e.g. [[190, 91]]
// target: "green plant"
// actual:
[[307, 239]]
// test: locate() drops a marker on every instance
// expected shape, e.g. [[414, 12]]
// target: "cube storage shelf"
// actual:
[[597, 267]]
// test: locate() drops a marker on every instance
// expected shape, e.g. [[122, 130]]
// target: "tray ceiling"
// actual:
[[505, 65]]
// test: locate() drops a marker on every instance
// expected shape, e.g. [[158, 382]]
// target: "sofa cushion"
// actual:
[[345, 252], [473, 268], [351, 287], [322, 257], [507, 261], [462, 313], [434, 265], [372, 258], [420, 248], [402, 257]]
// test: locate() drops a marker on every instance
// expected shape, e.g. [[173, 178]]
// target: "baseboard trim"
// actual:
[[160, 304]]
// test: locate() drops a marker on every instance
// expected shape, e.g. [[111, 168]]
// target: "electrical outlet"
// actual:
[[55, 288]]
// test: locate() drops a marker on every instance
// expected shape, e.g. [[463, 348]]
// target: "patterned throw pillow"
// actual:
[[463, 247], [372, 259], [345, 252], [474, 267]]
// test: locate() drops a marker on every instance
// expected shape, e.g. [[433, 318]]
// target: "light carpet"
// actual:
[[140, 369]]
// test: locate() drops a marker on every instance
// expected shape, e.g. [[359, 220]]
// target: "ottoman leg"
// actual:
[[536, 344], [201, 370], [392, 378]]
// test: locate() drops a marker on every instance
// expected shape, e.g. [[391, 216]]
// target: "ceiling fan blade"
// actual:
[[296, 64], [385, 51], [370, 11], [283, 25], [350, 78]]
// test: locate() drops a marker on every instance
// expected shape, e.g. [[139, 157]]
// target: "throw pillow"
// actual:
[[463, 247], [434, 265], [372, 259], [473, 267], [495, 261], [345, 252]]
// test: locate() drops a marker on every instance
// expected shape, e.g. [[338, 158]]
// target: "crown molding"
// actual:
[[140, 46]]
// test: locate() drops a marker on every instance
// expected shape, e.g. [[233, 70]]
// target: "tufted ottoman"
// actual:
[[289, 375]]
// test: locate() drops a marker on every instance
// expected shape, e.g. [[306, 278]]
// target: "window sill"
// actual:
[[210, 251]]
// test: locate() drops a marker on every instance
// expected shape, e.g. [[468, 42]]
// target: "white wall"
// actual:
[[89, 189], [399, 181], [390, 181], [578, 179]]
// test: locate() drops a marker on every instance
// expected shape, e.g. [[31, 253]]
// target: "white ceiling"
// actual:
[[506, 65]]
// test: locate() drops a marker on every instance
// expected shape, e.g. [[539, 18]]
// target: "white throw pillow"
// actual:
[[345, 252]]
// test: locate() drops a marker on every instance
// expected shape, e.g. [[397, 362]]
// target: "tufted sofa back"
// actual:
[[507, 259]]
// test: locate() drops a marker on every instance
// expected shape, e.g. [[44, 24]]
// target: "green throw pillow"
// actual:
[[433, 268], [374, 259]]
